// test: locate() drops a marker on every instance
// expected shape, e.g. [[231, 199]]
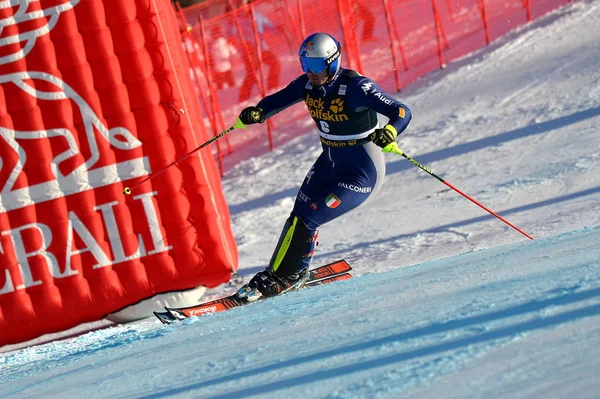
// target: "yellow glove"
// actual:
[[385, 136], [250, 115]]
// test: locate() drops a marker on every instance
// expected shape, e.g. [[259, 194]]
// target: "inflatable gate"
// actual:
[[95, 95]]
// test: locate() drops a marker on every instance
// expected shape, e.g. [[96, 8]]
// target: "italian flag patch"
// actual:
[[332, 201]]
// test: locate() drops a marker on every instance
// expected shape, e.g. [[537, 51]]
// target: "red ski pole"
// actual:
[[393, 147]]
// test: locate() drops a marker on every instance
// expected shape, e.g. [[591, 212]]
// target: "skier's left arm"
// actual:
[[371, 95]]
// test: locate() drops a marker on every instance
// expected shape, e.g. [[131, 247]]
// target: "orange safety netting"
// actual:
[[241, 51]]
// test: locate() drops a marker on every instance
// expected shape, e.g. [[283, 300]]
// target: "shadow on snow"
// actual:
[[506, 332]]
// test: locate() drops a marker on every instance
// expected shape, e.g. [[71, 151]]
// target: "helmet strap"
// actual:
[[331, 77]]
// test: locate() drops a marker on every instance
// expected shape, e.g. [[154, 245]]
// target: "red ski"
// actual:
[[330, 273]]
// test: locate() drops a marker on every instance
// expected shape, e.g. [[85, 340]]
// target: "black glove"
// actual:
[[250, 115], [385, 136]]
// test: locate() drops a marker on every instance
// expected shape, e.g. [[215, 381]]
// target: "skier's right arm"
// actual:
[[275, 103]]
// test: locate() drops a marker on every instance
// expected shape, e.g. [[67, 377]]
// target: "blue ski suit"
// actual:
[[349, 170]]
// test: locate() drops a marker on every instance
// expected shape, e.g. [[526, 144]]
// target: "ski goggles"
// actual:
[[318, 65], [314, 65]]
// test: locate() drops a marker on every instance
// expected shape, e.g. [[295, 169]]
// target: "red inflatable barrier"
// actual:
[[94, 96]]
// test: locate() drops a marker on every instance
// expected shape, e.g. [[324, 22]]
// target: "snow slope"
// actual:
[[448, 302]]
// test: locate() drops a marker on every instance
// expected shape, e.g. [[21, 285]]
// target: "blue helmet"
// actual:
[[318, 52]]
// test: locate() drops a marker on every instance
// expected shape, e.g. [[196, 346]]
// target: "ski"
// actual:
[[326, 274]]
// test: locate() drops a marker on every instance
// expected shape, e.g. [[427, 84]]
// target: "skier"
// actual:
[[351, 168]]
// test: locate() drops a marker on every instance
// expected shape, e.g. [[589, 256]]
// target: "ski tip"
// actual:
[[343, 264], [338, 277], [163, 317], [339, 266], [176, 314]]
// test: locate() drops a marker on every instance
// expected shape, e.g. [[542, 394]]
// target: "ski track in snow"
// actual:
[[448, 302], [461, 310]]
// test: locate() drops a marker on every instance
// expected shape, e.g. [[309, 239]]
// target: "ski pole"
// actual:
[[238, 125], [393, 147]]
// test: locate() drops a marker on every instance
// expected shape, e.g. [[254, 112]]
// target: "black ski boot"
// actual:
[[268, 284]]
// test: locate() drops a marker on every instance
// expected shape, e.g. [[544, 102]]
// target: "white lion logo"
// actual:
[[29, 15], [22, 23], [81, 178]]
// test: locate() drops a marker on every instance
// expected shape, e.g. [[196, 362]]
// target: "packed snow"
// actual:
[[447, 301]]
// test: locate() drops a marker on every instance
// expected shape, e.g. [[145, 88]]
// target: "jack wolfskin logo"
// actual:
[[316, 107], [314, 103], [337, 105]]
